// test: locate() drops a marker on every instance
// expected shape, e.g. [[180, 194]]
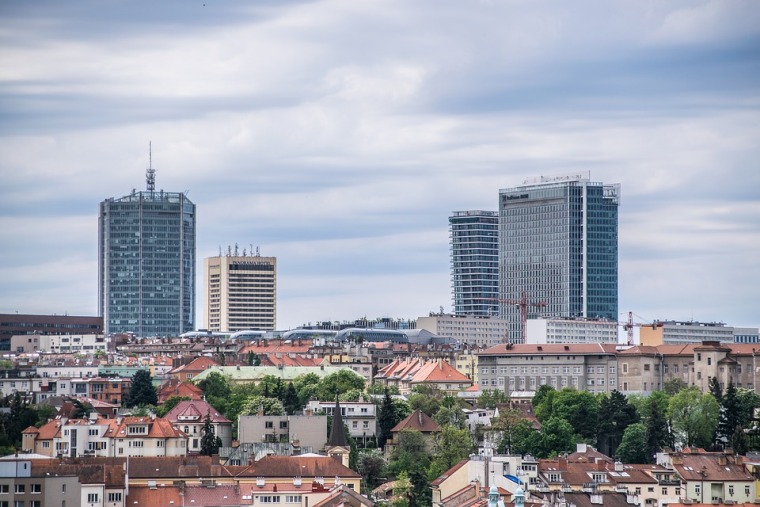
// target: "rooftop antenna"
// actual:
[[258, 254], [150, 174]]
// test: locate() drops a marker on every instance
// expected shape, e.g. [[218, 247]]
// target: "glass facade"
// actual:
[[475, 262], [559, 244], [147, 264]]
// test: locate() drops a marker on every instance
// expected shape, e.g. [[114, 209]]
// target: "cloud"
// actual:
[[339, 135]]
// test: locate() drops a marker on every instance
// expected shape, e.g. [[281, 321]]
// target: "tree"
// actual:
[[674, 386], [452, 445], [632, 449], [371, 465], [615, 415], [169, 404], [515, 430], [729, 418], [410, 453], [657, 434], [253, 359], [81, 409], [747, 400], [694, 417], [215, 385], [543, 402], [430, 405], [142, 391], [380, 389], [269, 406], [450, 414], [715, 389], [339, 382], [556, 436], [580, 409], [491, 398], [387, 418], [209, 444], [290, 400]]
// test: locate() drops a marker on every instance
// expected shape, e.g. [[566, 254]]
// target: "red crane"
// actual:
[[523, 305], [628, 327]]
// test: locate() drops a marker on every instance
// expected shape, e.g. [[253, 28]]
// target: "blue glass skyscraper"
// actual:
[[558, 242], [475, 262], [147, 263]]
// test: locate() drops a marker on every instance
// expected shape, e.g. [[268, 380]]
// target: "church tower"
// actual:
[[337, 446]]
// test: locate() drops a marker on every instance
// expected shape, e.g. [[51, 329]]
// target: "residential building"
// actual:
[[558, 244], [359, 416], [19, 324], [416, 421], [711, 477], [146, 262], [466, 329], [525, 367], [566, 330], [59, 344], [241, 292], [474, 237], [183, 389], [410, 372], [254, 374], [192, 369], [467, 363], [190, 416], [676, 333], [308, 430]]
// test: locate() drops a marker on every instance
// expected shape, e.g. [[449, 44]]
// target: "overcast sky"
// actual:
[[338, 136]]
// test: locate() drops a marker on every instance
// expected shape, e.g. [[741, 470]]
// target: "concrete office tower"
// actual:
[[474, 237], [241, 292], [146, 262], [558, 243]]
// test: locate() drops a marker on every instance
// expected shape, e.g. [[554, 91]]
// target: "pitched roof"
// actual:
[[341, 496], [440, 371], [709, 466], [197, 409], [337, 432], [417, 420], [299, 466], [515, 349]]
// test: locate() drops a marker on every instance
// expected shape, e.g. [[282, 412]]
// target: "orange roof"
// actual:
[[417, 420], [440, 371]]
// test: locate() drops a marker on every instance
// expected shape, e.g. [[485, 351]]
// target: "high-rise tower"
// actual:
[[558, 243], [146, 262], [475, 262], [241, 292]]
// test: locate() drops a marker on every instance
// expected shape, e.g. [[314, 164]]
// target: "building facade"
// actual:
[[474, 237], [241, 293], [558, 243], [558, 330], [467, 329], [21, 324], [674, 332], [146, 263]]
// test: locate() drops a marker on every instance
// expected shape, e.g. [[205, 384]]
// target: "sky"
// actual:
[[340, 135]]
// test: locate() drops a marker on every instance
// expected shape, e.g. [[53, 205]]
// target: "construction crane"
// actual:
[[523, 305], [629, 325]]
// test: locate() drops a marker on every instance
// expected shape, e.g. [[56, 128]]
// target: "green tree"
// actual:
[[633, 449], [270, 406], [215, 384], [491, 398], [543, 402], [169, 404], [729, 418], [380, 389], [371, 465], [674, 386], [715, 389], [694, 417], [450, 414], [209, 442], [452, 445], [515, 430], [430, 405], [290, 401], [615, 415], [142, 391], [580, 409], [556, 436], [81, 409], [657, 432], [339, 382], [387, 418], [747, 401], [409, 454], [253, 359]]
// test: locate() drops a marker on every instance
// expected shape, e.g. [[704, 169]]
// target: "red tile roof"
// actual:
[[417, 420], [303, 466], [198, 409]]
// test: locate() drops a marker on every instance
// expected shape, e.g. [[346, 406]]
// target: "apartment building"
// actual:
[[524, 367], [470, 329], [359, 416], [190, 416], [308, 430]]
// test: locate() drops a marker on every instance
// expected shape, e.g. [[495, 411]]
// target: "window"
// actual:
[[647, 367], [625, 367], [730, 486], [36, 488], [664, 491], [746, 490], [709, 362], [114, 497], [292, 498], [20, 488], [4, 489], [35, 503], [269, 499], [267, 424], [283, 425], [93, 497]]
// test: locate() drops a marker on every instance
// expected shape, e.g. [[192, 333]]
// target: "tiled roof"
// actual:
[[439, 371], [200, 363], [195, 408], [344, 496], [709, 466], [417, 420], [303, 466], [550, 349]]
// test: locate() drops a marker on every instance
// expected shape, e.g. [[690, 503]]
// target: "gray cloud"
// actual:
[[339, 135]]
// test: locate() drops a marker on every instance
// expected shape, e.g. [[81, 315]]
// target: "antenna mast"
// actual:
[[150, 174]]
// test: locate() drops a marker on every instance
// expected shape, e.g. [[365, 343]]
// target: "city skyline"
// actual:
[[339, 137]]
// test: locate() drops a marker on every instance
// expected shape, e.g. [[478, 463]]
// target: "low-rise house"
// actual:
[[306, 430], [410, 372], [359, 416], [416, 421], [174, 387], [190, 416], [710, 477]]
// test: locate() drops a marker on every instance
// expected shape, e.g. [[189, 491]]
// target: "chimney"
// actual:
[[562, 463], [419, 416]]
